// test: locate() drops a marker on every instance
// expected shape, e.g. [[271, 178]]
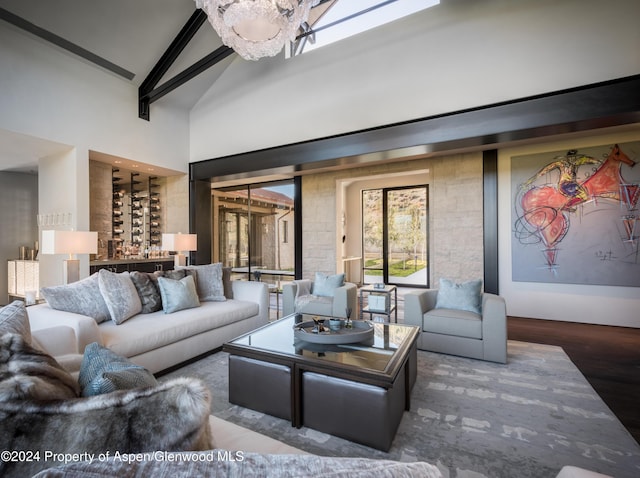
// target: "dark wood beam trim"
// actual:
[[611, 103], [181, 78], [601, 105], [167, 59], [64, 44], [490, 220]]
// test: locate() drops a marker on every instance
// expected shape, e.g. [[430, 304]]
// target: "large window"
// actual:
[[394, 235], [253, 232]]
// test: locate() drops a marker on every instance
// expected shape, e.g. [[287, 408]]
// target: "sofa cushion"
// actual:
[[81, 297], [171, 328], [460, 323], [464, 296], [208, 281], [325, 285], [120, 295], [104, 371], [14, 319], [147, 286], [29, 374], [172, 416], [178, 294]]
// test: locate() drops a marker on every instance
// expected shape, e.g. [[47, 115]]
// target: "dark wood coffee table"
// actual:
[[355, 391]]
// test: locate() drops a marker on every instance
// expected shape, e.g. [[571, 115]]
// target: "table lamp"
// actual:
[[180, 243], [70, 242]]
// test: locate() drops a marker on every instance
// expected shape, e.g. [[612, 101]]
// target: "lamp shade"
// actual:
[[69, 242], [180, 242]]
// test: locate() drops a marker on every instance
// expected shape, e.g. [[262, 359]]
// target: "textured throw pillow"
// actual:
[[104, 371], [81, 297], [178, 294], [14, 319], [226, 282], [146, 285], [464, 296], [172, 416], [208, 281], [325, 285], [119, 294], [177, 274], [29, 374]]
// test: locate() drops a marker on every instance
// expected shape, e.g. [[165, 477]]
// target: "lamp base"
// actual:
[[71, 271], [179, 260]]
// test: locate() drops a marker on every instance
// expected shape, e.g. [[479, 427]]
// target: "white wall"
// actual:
[[49, 94], [569, 302], [19, 206], [460, 54]]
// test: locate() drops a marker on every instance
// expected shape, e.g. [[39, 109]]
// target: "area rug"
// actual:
[[473, 419]]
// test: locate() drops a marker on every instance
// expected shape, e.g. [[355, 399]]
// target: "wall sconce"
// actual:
[[180, 243], [70, 242]]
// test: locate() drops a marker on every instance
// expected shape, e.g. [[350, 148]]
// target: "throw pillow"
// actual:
[[208, 281], [29, 374], [178, 294], [104, 371], [464, 296], [81, 297], [119, 294], [14, 319], [146, 285], [177, 274], [173, 416], [325, 285], [226, 282]]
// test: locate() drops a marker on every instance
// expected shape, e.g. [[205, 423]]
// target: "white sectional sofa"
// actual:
[[157, 340]]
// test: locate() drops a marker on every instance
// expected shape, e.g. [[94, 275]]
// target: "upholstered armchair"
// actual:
[[326, 295], [480, 333]]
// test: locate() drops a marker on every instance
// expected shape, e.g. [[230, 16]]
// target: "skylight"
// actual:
[[345, 18]]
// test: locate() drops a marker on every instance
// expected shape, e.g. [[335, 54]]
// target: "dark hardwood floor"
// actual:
[[609, 358]]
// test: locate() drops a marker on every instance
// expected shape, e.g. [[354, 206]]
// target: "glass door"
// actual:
[[395, 236]]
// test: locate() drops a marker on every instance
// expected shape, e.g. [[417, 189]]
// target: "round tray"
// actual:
[[361, 331]]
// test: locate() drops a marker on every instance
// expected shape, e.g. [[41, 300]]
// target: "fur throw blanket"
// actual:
[[29, 374], [172, 416]]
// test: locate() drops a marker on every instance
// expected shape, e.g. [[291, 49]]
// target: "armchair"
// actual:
[[303, 296], [459, 332]]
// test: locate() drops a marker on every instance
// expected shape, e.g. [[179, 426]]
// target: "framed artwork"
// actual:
[[575, 216]]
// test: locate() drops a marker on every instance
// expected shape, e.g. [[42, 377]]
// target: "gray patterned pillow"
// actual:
[[120, 295], [104, 371], [209, 281], [81, 297], [146, 285], [465, 296], [14, 319], [178, 294]]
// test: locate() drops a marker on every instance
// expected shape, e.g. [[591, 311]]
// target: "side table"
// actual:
[[374, 306]]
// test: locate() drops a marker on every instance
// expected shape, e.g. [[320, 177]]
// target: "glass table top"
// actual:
[[376, 354]]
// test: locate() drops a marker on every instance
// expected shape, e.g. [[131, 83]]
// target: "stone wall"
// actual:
[[455, 214]]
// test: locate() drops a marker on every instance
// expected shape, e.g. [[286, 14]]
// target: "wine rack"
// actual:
[[137, 211], [154, 212], [117, 214]]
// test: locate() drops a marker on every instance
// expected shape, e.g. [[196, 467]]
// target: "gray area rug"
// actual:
[[473, 419]]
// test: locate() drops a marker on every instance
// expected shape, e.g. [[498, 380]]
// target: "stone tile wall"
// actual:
[[455, 215]]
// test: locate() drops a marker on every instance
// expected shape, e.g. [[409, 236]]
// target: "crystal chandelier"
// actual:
[[256, 28]]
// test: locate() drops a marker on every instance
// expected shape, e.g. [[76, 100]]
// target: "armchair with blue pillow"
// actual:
[[459, 319], [326, 295]]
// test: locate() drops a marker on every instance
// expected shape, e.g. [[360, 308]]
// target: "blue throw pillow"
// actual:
[[465, 296], [325, 285], [104, 371], [178, 294]]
